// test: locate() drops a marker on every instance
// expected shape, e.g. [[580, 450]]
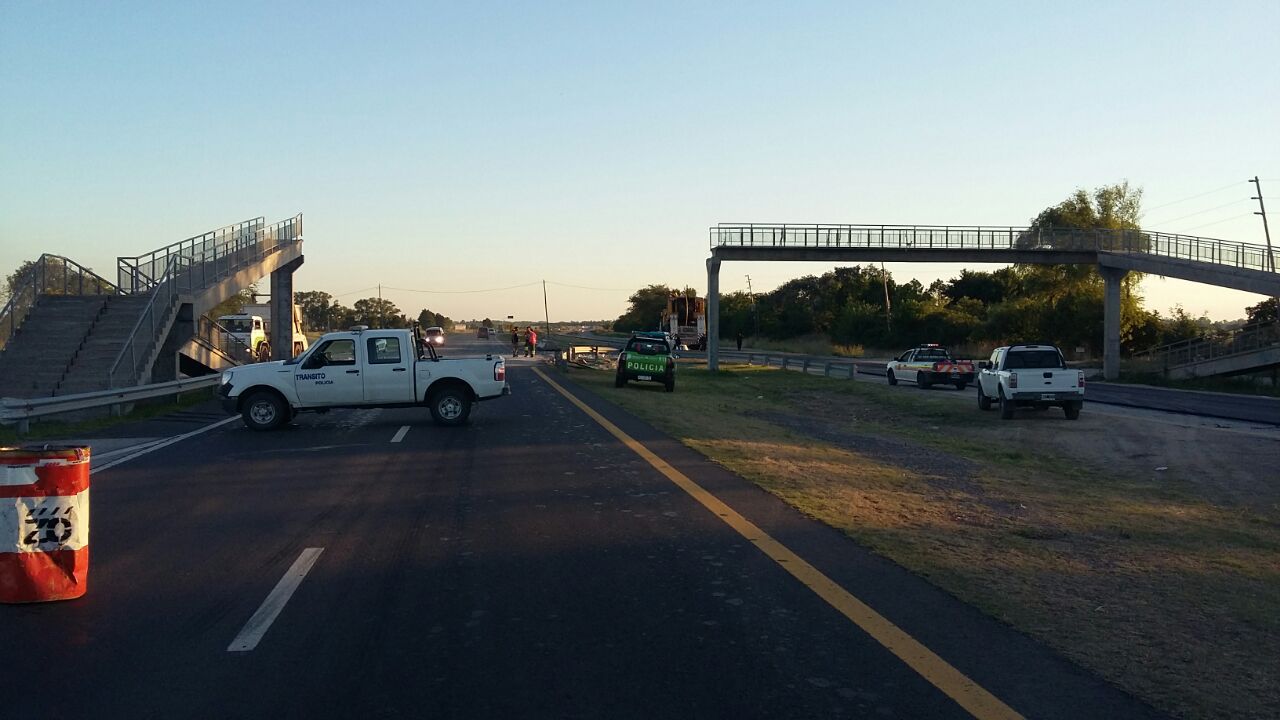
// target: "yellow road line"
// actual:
[[956, 685]]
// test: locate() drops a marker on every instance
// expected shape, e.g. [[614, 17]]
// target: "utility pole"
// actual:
[[545, 311], [1263, 212], [888, 308], [754, 315]]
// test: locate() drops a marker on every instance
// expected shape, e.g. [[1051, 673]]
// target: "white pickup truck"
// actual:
[[1029, 376], [363, 368]]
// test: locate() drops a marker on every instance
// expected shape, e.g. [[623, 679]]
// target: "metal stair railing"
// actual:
[[49, 275], [210, 257], [216, 336], [189, 265], [1206, 348], [973, 237], [145, 336]]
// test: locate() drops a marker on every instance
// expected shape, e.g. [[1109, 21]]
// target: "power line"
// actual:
[[353, 292], [1201, 212], [1215, 222], [460, 292], [1193, 197], [599, 288]]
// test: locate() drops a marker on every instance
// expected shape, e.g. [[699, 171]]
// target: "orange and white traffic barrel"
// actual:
[[44, 523]]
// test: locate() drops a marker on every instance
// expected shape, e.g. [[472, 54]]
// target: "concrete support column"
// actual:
[[713, 313], [1113, 279], [282, 310]]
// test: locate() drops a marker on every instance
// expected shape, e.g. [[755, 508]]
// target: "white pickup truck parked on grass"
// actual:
[[363, 368], [1029, 376]]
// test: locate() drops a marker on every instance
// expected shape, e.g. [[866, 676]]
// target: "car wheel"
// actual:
[[1006, 407], [921, 382], [984, 402], [264, 411], [961, 385], [450, 405], [670, 384], [619, 380], [893, 380], [1072, 409]]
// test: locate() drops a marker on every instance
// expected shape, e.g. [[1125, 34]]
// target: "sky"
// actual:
[[451, 150]]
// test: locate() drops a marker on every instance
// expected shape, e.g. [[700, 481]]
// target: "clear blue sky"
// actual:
[[464, 146]]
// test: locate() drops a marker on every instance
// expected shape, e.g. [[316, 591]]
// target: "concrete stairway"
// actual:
[[88, 370], [45, 345]]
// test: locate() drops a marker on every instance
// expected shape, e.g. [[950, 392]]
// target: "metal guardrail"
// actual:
[[21, 411], [950, 237], [54, 275], [1245, 340]]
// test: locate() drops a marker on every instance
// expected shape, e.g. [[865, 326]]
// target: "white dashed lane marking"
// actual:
[[258, 625], [404, 430]]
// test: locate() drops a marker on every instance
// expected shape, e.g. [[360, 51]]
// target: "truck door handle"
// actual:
[[397, 369], [353, 372]]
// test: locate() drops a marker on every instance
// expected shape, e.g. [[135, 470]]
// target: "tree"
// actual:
[[377, 313], [1264, 311], [426, 318], [234, 304], [645, 312], [314, 306]]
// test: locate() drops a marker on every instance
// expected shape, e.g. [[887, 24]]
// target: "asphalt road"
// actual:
[[527, 565]]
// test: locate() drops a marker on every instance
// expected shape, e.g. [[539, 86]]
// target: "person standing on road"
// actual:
[[515, 341], [531, 340], [738, 337]]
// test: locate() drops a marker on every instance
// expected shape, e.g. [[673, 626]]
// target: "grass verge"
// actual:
[[54, 429], [1162, 589]]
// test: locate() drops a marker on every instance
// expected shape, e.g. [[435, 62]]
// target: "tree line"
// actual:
[[864, 305]]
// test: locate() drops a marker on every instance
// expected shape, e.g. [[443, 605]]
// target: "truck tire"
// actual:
[[1072, 409], [893, 379], [264, 411], [984, 402], [1006, 407], [961, 385], [264, 351], [922, 381], [450, 405]]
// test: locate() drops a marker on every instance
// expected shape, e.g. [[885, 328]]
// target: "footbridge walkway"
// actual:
[[67, 330], [1236, 265]]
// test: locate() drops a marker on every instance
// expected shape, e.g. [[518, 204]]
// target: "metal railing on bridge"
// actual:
[[189, 265], [48, 275], [208, 258], [1231, 343], [954, 237]]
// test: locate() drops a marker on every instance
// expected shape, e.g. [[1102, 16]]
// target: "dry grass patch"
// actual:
[[1159, 581]]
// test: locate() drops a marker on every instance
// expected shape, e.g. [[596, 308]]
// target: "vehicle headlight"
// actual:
[[226, 378]]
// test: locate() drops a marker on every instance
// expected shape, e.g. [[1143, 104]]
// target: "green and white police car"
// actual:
[[647, 357]]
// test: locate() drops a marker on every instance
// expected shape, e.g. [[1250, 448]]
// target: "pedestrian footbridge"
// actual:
[[67, 330], [1240, 266]]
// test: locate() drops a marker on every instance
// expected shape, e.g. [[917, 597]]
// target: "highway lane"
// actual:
[[526, 565]]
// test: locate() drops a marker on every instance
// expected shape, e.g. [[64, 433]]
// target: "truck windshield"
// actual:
[[1024, 359], [236, 325]]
